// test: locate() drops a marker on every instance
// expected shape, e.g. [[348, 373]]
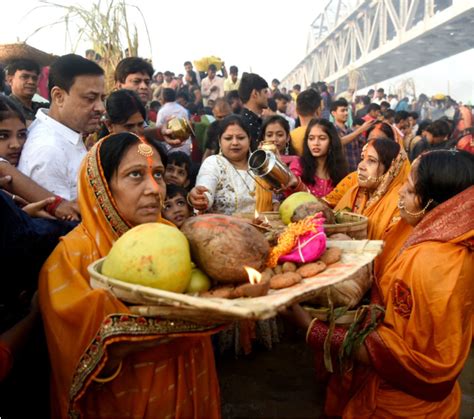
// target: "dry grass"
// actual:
[[104, 24]]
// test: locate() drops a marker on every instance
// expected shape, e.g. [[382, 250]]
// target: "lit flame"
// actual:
[[254, 276], [256, 214], [265, 220]]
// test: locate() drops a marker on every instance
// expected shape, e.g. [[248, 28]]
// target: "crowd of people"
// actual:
[[81, 168]]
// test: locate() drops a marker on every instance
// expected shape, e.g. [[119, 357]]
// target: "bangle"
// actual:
[[188, 201], [51, 208], [110, 378]]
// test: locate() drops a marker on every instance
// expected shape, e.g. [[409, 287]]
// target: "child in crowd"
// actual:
[[178, 169], [176, 208]]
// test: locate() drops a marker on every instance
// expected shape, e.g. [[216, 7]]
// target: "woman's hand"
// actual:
[[68, 211], [298, 315], [37, 209], [198, 199]]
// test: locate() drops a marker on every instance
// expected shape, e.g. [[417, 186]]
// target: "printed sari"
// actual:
[[174, 379], [425, 282], [381, 207]]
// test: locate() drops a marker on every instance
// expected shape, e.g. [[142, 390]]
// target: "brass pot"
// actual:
[[180, 127]]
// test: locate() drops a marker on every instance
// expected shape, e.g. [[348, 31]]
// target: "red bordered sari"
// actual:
[[171, 380], [426, 285]]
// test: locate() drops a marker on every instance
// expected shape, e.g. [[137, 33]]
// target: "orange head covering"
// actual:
[[381, 207], [81, 322]]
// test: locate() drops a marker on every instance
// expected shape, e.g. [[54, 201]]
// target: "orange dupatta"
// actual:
[[420, 348], [382, 207], [175, 379]]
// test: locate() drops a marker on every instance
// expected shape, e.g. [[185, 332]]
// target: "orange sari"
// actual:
[[175, 379], [426, 286], [382, 207]]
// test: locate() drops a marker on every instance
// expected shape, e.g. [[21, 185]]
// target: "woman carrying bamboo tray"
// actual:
[[105, 361], [406, 360]]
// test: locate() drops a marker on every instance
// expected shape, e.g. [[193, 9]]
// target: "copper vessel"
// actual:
[[180, 127]]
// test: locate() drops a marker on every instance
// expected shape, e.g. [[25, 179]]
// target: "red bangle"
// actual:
[[51, 208]]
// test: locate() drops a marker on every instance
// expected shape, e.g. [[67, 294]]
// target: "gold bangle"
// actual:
[[112, 377]]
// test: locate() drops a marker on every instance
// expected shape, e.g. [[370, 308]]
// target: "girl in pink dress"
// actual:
[[323, 163]]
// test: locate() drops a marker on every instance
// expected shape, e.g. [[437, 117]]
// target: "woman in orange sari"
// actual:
[[379, 130], [408, 356], [380, 176], [106, 362]]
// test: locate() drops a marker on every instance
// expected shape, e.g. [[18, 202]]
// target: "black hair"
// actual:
[[442, 174], [169, 95], [374, 107], [187, 63], [274, 119], [370, 91], [385, 104], [387, 151], [23, 64], [336, 162], [308, 102], [233, 69], [114, 148], [250, 82], [122, 104], [65, 69], [212, 67], [385, 128], [232, 95], [180, 158], [401, 116], [233, 120], [381, 90], [423, 125], [173, 190], [439, 128], [183, 95], [9, 109], [272, 104], [366, 100], [131, 65], [339, 103], [414, 115], [389, 113], [155, 105]]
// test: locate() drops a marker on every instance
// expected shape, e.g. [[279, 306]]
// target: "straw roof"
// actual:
[[10, 52]]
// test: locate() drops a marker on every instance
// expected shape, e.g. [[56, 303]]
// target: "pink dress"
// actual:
[[320, 188]]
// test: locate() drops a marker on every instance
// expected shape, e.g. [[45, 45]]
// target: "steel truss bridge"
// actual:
[[363, 42]]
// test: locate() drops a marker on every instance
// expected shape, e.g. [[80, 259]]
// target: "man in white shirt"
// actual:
[[232, 82], [212, 87], [54, 149], [171, 109]]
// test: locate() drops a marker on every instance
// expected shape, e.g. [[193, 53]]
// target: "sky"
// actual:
[[267, 37]]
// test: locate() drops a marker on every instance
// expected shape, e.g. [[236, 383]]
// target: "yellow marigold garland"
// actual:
[[288, 239]]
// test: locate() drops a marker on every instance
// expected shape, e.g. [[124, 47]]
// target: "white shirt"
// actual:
[[52, 155], [207, 84], [230, 190], [169, 110]]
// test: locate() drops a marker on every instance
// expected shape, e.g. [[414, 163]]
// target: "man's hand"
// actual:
[[68, 211]]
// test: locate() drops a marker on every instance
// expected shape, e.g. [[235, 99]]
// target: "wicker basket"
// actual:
[[10, 52], [349, 223], [354, 225]]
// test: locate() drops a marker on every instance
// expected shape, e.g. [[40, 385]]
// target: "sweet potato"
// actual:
[[288, 267], [284, 280], [331, 255], [222, 245], [311, 269]]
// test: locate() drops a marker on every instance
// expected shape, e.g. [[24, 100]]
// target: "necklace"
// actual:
[[251, 193]]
